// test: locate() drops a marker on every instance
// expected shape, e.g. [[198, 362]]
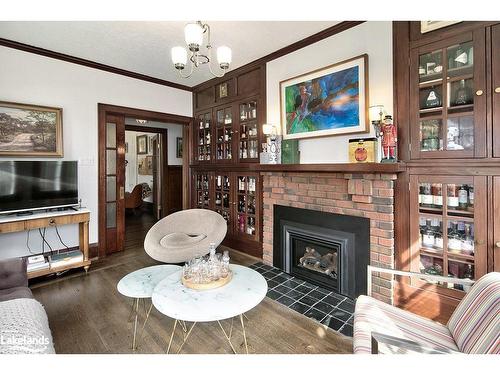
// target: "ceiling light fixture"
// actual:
[[140, 121], [193, 35]]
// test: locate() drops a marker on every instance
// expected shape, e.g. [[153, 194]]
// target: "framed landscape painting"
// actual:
[[30, 130], [326, 102]]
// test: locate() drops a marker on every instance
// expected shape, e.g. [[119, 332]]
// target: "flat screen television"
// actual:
[[36, 185]]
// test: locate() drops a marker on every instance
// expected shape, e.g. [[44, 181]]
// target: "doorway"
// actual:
[[151, 135]]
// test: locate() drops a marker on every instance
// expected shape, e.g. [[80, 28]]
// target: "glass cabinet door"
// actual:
[[224, 134], [448, 226], [448, 100], [246, 206], [203, 137], [248, 140], [202, 190], [223, 202]]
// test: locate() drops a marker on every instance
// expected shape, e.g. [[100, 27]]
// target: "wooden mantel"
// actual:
[[326, 168]]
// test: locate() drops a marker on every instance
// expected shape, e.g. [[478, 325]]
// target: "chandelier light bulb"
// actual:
[[193, 34], [179, 57], [224, 56]]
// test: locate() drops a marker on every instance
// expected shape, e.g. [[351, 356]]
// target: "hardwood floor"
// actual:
[[88, 315]]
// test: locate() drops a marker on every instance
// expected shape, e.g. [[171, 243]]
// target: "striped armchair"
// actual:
[[474, 327]]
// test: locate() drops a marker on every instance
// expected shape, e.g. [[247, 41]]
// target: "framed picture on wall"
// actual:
[[179, 147], [426, 26], [145, 166], [30, 130], [326, 102], [142, 144]]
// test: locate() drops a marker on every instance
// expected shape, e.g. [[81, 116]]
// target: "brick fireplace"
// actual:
[[368, 195]]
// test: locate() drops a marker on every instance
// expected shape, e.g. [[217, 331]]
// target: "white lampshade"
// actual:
[[179, 57], [224, 56], [376, 112], [193, 34], [268, 129]]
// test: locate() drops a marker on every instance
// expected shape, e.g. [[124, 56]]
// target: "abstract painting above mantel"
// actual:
[[325, 102], [30, 130]]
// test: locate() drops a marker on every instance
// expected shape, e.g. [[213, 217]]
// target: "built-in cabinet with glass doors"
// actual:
[[234, 195], [448, 98]]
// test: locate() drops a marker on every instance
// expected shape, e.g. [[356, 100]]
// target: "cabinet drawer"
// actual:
[[46, 222], [15, 226]]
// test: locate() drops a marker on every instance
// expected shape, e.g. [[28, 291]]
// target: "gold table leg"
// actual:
[[228, 338], [171, 337], [185, 338], [244, 333], [146, 320], [135, 323]]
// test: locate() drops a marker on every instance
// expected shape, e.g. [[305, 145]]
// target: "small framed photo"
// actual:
[[142, 144], [179, 147], [427, 26], [223, 90]]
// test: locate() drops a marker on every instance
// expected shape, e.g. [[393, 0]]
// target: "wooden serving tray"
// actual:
[[211, 285]]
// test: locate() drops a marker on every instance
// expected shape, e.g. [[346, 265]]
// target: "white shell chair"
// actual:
[[184, 235]]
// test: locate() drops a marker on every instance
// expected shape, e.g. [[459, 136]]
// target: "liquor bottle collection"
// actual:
[[460, 236], [458, 197]]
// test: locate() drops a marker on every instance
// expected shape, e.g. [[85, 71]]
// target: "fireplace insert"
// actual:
[[325, 249]]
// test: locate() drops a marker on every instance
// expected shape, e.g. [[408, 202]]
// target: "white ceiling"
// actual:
[[144, 47]]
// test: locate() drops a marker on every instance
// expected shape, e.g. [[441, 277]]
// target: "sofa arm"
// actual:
[[13, 273], [397, 345]]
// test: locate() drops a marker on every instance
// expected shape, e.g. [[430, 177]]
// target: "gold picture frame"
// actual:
[[304, 96], [428, 26], [30, 130]]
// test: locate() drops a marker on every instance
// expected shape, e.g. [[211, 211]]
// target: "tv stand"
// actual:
[[10, 224]]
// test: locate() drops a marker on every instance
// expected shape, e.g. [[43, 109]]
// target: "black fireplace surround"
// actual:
[[326, 249]]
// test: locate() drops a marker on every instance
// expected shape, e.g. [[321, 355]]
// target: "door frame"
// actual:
[[163, 132], [110, 109]]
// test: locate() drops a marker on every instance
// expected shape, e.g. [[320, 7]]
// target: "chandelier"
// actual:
[[193, 35]]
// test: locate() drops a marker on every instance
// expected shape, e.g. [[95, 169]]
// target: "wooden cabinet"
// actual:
[[249, 130], [495, 238], [495, 84], [203, 136], [203, 190], [224, 142], [448, 225], [448, 96], [237, 197]]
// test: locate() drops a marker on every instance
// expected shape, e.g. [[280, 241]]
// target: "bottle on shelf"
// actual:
[[241, 223], [454, 239], [463, 197], [471, 198], [251, 226], [428, 237], [452, 197], [437, 196], [436, 229], [468, 240], [463, 95], [427, 198]]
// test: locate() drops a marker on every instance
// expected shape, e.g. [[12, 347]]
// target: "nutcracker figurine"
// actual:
[[389, 135]]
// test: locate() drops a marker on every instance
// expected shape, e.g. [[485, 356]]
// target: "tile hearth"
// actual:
[[330, 309]]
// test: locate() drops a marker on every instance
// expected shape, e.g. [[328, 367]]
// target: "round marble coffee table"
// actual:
[[140, 285], [245, 291]]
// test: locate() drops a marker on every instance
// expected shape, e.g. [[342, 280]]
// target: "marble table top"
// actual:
[[245, 291], [140, 283]]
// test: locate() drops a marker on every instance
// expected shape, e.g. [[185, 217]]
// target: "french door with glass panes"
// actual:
[[114, 166], [448, 226]]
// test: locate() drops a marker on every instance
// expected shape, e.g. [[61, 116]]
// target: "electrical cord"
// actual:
[[28, 242], [44, 241], [60, 239]]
